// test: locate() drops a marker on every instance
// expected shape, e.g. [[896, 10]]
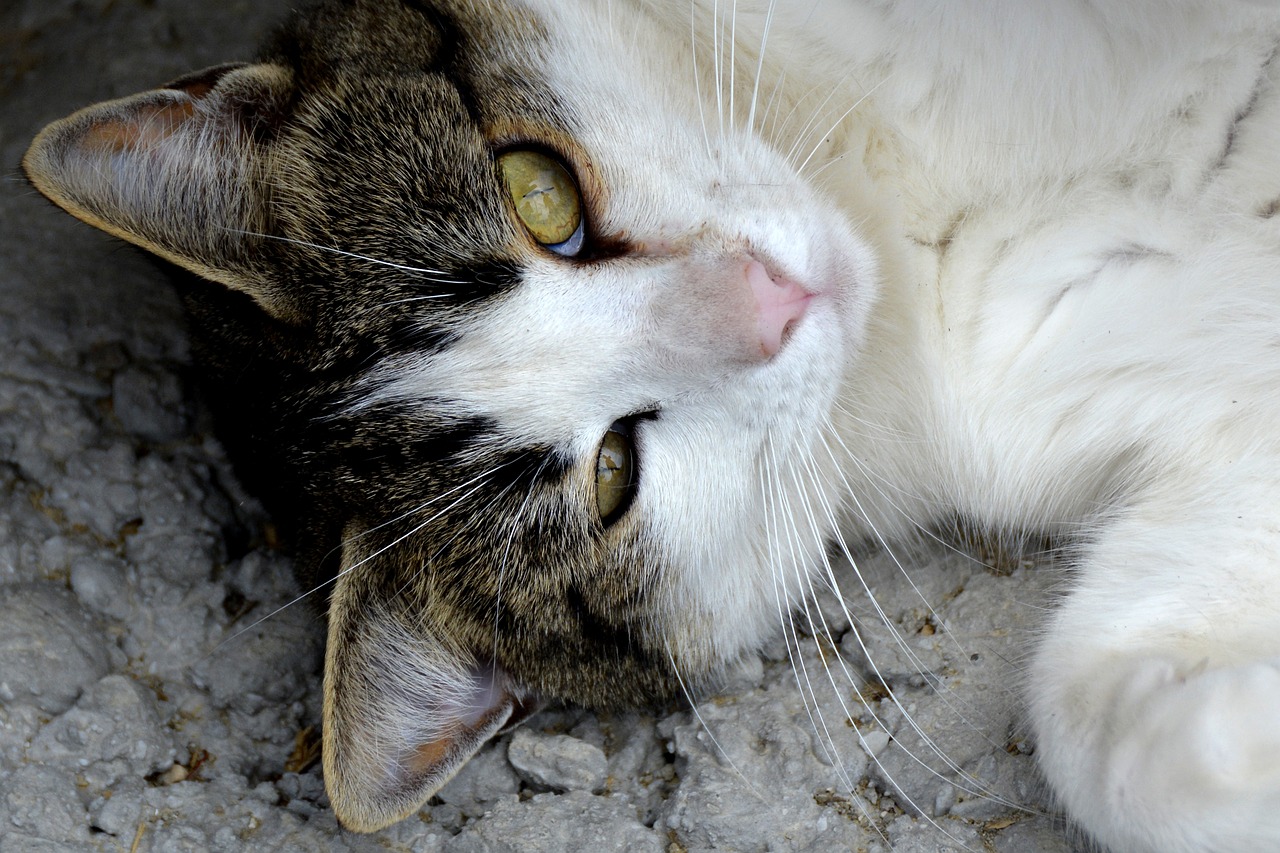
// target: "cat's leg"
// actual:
[[1155, 693]]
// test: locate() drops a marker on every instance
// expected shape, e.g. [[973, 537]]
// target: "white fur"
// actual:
[[1048, 301]]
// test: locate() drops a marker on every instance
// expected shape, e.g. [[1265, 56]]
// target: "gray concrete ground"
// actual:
[[154, 696]]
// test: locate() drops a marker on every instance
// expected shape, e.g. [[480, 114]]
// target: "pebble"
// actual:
[[558, 762], [51, 649], [482, 780], [550, 823], [101, 584], [114, 720], [149, 403]]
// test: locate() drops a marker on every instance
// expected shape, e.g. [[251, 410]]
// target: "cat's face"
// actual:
[[538, 347]]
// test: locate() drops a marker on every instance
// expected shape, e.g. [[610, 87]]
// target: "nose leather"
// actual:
[[779, 302]]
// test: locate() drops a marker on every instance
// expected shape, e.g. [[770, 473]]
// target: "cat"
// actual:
[[567, 334]]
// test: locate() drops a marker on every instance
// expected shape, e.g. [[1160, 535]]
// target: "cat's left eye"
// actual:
[[546, 199], [615, 473]]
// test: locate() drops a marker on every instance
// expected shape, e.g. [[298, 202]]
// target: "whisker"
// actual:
[[408, 299], [716, 51], [817, 529], [774, 100], [733, 59], [305, 595], [697, 77], [506, 553], [786, 619], [879, 484], [693, 706], [797, 561], [875, 429], [884, 543], [755, 89], [822, 137], [776, 132], [815, 174], [791, 638], [978, 788], [807, 130], [435, 275]]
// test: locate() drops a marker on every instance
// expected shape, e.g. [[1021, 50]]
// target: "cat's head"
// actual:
[[538, 348]]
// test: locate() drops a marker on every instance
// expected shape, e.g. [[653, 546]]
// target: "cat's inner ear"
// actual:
[[404, 708], [179, 171]]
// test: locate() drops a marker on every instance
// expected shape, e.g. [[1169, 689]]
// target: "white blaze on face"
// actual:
[[733, 320]]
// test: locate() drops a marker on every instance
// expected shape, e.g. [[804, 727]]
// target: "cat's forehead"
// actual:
[[464, 82], [487, 60], [398, 114]]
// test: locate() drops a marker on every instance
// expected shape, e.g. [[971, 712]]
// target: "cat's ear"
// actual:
[[179, 171], [404, 708]]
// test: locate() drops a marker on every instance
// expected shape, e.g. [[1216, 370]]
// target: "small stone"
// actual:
[[50, 648], [559, 762], [118, 813], [42, 802], [175, 774], [875, 742], [148, 401], [116, 720], [551, 823], [944, 801], [100, 584]]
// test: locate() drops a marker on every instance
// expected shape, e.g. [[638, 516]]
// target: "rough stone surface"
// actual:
[[160, 687], [559, 762], [51, 650], [548, 823]]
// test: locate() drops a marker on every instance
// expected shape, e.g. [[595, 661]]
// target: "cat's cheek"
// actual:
[[738, 496]]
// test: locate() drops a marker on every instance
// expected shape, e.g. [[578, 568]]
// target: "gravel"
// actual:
[[160, 687]]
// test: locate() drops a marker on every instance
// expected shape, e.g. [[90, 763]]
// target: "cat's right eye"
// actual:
[[615, 473], [546, 199]]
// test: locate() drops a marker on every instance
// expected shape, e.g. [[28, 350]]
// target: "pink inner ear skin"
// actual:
[[428, 756], [494, 690], [489, 694], [199, 89], [161, 122]]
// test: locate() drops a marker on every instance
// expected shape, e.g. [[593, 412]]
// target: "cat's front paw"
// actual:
[[1151, 756]]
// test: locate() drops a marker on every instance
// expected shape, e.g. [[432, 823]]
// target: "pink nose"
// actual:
[[780, 302]]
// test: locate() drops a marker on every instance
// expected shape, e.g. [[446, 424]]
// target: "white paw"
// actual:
[[1163, 759]]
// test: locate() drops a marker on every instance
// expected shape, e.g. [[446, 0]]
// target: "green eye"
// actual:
[[615, 473], [546, 199]]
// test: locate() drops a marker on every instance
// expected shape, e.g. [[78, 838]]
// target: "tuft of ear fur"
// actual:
[[178, 170], [404, 708]]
